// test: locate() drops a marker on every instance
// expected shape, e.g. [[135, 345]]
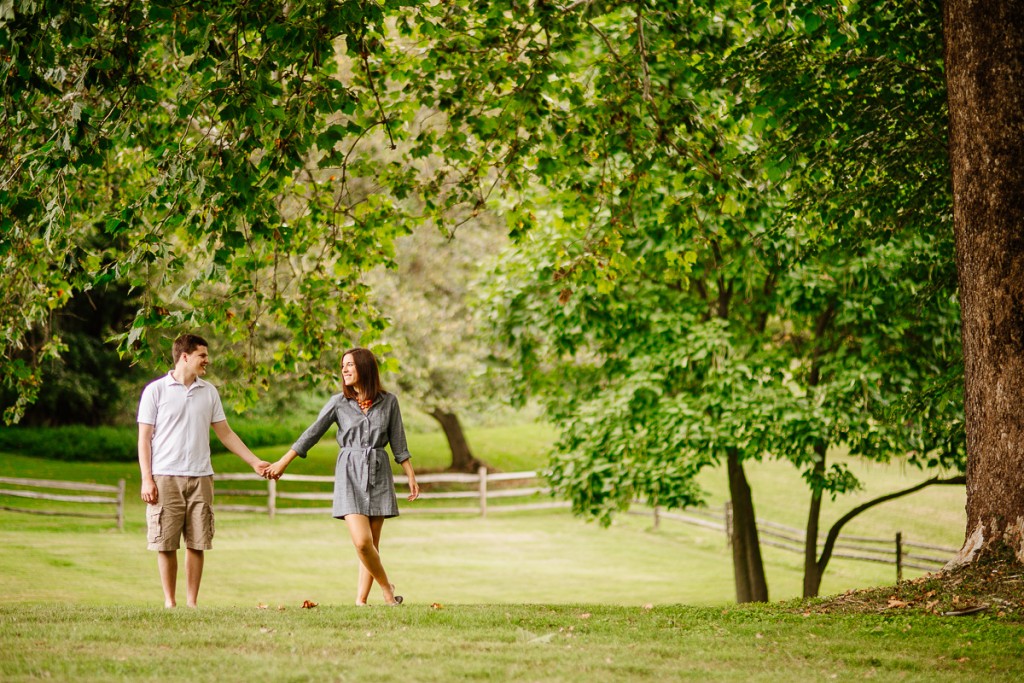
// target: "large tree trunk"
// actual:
[[748, 568], [984, 61], [812, 572], [462, 457]]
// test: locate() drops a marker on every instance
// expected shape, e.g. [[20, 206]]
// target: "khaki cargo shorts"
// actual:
[[184, 507]]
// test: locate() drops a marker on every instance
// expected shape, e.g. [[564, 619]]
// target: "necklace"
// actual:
[[364, 405]]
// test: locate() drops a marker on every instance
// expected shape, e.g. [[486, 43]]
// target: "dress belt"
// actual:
[[367, 457]]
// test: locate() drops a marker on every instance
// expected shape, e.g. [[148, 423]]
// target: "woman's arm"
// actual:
[[316, 431], [414, 488]]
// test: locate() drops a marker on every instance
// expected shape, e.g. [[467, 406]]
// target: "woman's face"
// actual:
[[349, 374]]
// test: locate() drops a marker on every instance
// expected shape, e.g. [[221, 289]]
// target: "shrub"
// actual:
[[73, 442], [101, 444]]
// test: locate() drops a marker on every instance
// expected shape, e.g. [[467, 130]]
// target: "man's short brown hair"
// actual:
[[187, 343]]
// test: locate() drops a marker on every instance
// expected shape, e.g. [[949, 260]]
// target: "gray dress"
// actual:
[[363, 484]]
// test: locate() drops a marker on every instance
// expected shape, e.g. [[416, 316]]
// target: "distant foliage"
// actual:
[[120, 444]]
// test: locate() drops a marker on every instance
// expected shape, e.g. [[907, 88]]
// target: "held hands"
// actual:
[[276, 470], [261, 467]]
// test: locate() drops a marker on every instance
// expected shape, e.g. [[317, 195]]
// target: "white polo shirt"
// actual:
[[181, 417]]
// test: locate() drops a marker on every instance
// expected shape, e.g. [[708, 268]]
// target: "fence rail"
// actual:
[[28, 490], [902, 553], [791, 539], [481, 492]]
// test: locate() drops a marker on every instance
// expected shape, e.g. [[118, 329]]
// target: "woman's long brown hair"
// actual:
[[369, 374]]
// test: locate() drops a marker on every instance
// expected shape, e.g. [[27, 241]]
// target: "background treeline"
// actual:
[[84, 443]]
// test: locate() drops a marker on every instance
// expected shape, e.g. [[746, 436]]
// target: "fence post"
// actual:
[[899, 556], [728, 524], [120, 504], [271, 497], [482, 473]]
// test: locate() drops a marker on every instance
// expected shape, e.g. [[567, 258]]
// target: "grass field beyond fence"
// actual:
[[534, 557]]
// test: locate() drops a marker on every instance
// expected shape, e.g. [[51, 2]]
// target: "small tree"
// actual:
[[434, 332], [657, 299]]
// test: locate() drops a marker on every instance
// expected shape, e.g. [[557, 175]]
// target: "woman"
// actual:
[[368, 419]]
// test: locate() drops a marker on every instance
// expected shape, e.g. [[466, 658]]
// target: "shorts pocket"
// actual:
[[154, 526], [208, 515]]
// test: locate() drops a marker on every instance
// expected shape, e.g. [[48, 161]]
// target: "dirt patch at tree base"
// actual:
[[993, 585]]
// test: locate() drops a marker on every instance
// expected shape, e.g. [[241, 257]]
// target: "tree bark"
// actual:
[[748, 568], [462, 457], [812, 574], [984, 62]]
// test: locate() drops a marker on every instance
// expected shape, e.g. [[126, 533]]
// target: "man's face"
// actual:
[[197, 360]]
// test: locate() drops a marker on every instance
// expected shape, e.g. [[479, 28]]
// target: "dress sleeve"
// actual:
[[396, 434], [316, 431]]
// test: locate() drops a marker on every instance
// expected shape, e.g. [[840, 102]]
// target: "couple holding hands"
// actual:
[[176, 413]]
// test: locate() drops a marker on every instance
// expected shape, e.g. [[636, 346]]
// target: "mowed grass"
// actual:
[[591, 643]]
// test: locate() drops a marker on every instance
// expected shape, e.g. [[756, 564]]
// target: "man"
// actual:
[[175, 416]]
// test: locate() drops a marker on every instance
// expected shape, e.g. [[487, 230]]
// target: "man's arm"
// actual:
[[149, 492], [234, 444]]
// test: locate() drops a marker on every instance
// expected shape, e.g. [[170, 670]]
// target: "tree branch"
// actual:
[[833, 533], [642, 47]]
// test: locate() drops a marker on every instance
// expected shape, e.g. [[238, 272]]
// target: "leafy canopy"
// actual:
[[213, 157]]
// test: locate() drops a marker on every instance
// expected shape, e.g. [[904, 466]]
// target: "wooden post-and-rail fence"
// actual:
[[481, 491], [27, 488], [478, 489], [903, 553]]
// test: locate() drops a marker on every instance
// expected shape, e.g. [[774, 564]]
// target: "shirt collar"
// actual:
[[199, 381]]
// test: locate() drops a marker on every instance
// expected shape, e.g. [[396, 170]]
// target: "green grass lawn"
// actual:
[[587, 642]]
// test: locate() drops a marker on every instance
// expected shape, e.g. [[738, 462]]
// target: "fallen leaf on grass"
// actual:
[[585, 615], [648, 606], [896, 602], [308, 604], [436, 605], [261, 606]]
